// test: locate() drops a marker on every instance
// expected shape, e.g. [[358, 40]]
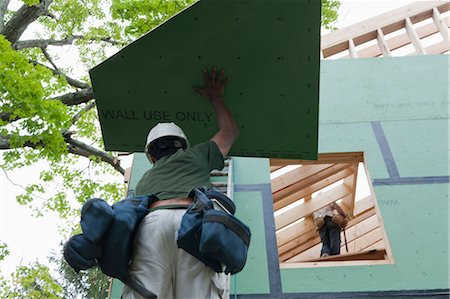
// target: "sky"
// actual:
[[30, 239]]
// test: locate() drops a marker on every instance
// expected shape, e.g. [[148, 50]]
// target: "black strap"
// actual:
[[136, 286], [228, 221]]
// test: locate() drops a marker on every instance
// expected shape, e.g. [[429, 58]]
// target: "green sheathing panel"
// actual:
[[140, 165], [407, 157], [419, 147], [384, 89], [269, 48], [396, 112], [417, 226], [249, 200], [255, 276], [407, 100], [359, 137]]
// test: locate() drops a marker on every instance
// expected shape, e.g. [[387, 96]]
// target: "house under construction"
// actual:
[[383, 147]]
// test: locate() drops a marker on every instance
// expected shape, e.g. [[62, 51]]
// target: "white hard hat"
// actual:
[[165, 129]]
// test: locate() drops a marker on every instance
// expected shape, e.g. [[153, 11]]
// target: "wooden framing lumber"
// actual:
[[297, 230], [366, 241], [384, 47], [438, 48], [296, 175], [366, 255], [296, 246], [352, 49], [350, 182], [415, 40], [443, 29], [309, 206], [355, 241], [365, 31], [324, 158], [302, 191], [363, 205], [305, 182], [275, 168], [401, 40], [359, 263]]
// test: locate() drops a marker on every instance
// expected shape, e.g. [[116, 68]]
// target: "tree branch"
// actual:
[[70, 80], [76, 98], [77, 116], [44, 43], [6, 116], [26, 15], [3, 8], [49, 58], [74, 147], [79, 148]]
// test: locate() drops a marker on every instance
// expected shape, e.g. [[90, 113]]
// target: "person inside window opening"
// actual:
[[329, 220], [157, 262]]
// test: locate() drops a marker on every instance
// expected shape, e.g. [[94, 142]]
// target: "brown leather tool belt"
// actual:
[[173, 203]]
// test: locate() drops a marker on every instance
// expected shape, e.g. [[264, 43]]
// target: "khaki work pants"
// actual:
[[163, 268]]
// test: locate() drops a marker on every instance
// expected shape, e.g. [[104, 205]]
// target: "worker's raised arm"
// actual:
[[213, 91]]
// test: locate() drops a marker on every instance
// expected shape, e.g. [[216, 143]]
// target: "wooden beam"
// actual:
[[415, 40], [358, 231], [443, 28], [275, 168], [301, 243], [350, 182], [296, 175], [354, 240], [324, 158], [401, 40], [362, 32], [352, 49], [303, 191], [300, 229], [438, 48], [366, 255], [359, 245], [366, 241], [308, 207], [300, 265], [363, 205], [307, 181], [384, 47]]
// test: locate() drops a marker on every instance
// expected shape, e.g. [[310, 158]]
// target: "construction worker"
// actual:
[[329, 220], [157, 263]]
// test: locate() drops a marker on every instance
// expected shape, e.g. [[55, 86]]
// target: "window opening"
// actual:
[[301, 187]]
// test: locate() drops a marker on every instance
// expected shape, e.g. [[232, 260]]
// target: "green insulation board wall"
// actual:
[[394, 110], [269, 49]]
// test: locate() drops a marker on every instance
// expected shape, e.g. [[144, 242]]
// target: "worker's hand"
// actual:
[[214, 85]]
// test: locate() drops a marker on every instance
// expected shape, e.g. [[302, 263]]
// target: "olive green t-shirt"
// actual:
[[176, 175]]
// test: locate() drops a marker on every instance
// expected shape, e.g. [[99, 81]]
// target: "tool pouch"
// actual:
[[319, 222], [338, 219], [226, 239], [214, 237]]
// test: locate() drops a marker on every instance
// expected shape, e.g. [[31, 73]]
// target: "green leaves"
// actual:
[[140, 16], [330, 12], [4, 252], [31, 282]]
